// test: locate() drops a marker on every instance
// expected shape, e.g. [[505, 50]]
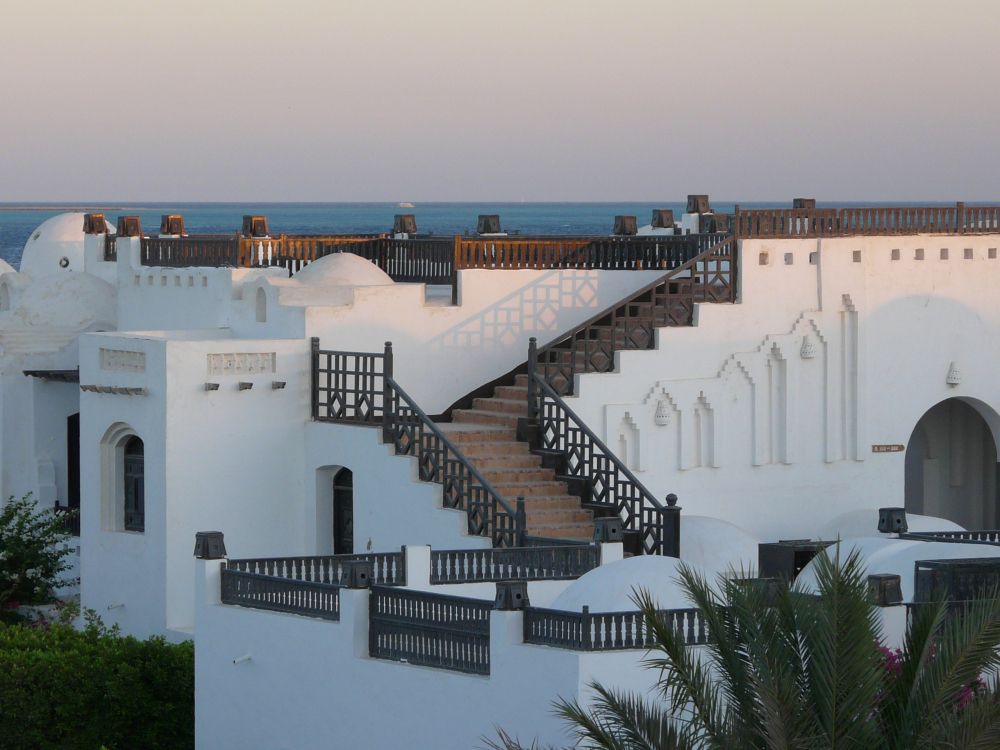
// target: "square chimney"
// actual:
[[625, 225], [663, 218], [488, 224], [129, 226], [171, 224], [698, 204], [94, 224], [404, 224], [255, 226]]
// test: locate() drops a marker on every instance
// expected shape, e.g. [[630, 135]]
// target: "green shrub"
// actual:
[[73, 689], [33, 553]]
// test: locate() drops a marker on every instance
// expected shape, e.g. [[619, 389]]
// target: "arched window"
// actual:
[[261, 305], [134, 489], [343, 512]]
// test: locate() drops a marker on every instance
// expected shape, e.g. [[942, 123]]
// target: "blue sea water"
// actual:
[[17, 221]]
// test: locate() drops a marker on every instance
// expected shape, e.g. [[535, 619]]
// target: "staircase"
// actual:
[[486, 434]]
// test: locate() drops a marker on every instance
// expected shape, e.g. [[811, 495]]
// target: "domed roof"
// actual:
[[67, 301], [897, 556], [342, 269], [56, 246], [864, 522], [611, 587], [717, 546]]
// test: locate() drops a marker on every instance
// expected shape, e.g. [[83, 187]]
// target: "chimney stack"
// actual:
[[404, 224], [172, 224], [698, 204], [625, 225], [255, 226], [488, 224], [129, 226], [94, 224], [804, 203], [663, 218]]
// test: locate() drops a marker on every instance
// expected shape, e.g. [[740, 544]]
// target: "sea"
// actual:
[[19, 220]]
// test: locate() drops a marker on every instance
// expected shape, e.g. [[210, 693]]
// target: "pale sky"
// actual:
[[423, 100]]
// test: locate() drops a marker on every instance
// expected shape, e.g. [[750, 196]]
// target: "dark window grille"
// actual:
[[134, 489]]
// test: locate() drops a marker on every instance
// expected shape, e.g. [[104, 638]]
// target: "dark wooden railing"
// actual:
[[981, 536], [431, 630], [196, 250], [631, 323], [295, 252], [279, 594], [521, 563], [607, 631], [388, 568], [349, 386], [413, 433], [358, 388], [890, 220], [611, 485], [645, 253]]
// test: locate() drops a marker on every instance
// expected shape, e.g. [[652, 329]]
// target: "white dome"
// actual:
[[889, 554], [611, 587], [342, 269], [858, 523], [71, 301], [717, 546], [56, 246]]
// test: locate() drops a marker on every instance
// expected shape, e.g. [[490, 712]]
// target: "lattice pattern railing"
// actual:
[[297, 597], [607, 631], [431, 630], [413, 433], [349, 386], [521, 563], [357, 388], [388, 568], [631, 324], [611, 484]]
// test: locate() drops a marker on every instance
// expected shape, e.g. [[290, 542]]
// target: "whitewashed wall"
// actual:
[[775, 403], [299, 667]]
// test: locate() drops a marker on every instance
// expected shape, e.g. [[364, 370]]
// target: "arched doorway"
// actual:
[[951, 466], [343, 512]]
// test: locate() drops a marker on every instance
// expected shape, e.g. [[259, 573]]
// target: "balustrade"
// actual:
[[520, 563], [607, 631]]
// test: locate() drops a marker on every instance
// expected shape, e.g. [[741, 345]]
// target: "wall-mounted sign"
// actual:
[[888, 448]]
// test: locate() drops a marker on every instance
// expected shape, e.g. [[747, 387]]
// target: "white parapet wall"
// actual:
[[267, 679]]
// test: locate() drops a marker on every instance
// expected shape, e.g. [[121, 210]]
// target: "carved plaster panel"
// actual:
[[242, 363]]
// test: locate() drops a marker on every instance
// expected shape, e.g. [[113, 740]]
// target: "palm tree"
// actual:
[[787, 669]]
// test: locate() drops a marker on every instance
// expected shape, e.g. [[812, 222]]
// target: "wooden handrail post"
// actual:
[[520, 522], [672, 527], [455, 265], [960, 217], [387, 399], [532, 386], [314, 346]]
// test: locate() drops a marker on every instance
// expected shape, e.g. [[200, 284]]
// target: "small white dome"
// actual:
[[71, 301], [858, 523], [56, 246], [611, 587], [717, 546], [342, 269], [896, 556]]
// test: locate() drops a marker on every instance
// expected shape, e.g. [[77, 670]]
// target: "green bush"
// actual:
[[33, 553], [72, 689]]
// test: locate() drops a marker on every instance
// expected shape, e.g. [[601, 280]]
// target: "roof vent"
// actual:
[[209, 545], [663, 218], [129, 226], [94, 224], [625, 225], [404, 224], [488, 224], [171, 224], [698, 204], [255, 226]]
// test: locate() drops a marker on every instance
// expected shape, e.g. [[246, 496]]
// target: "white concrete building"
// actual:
[[784, 381]]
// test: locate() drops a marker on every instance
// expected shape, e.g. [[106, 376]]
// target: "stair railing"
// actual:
[[611, 485], [358, 388], [631, 323]]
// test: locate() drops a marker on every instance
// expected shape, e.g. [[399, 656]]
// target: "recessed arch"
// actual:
[[261, 305], [951, 463]]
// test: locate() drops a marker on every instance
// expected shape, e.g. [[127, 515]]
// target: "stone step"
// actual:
[[500, 448], [502, 405], [543, 516], [521, 381], [526, 489], [480, 417], [570, 502], [463, 434], [583, 532], [506, 475], [512, 392], [498, 462]]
